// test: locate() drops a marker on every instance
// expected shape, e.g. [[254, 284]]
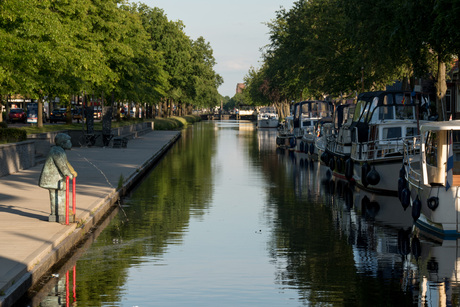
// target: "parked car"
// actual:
[[77, 114], [58, 115], [97, 112], [17, 115]]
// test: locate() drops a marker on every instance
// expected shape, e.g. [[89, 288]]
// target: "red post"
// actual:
[[67, 292], [67, 200], [74, 197], [74, 283]]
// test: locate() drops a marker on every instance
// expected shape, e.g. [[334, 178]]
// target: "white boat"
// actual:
[[335, 144], [267, 118], [381, 122], [430, 180], [307, 121], [285, 137]]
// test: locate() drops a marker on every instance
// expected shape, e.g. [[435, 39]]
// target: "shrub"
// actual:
[[3, 125], [12, 135]]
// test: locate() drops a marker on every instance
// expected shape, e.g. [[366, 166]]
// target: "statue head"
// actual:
[[63, 140]]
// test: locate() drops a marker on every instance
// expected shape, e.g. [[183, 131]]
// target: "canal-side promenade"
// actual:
[[29, 244]]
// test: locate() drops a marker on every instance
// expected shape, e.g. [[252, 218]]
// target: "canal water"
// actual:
[[227, 219]]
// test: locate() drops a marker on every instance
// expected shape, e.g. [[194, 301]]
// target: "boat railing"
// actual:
[[378, 149], [331, 143], [412, 161]]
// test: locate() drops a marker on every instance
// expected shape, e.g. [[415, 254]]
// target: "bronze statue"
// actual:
[[53, 176]]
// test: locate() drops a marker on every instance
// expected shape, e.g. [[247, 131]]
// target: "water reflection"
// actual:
[[228, 219]]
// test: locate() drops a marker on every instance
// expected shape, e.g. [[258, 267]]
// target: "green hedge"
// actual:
[[12, 135]]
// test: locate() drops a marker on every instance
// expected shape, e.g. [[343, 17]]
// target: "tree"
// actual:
[[205, 80]]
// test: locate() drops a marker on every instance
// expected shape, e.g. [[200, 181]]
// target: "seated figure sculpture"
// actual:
[[53, 176]]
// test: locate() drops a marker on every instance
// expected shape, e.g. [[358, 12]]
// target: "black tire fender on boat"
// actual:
[[373, 177], [432, 202], [405, 198], [416, 208], [401, 185], [365, 168], [302, 146], [402, 172], [312, 148]]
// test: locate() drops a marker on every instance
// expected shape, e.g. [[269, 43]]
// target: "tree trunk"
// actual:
[[40, 112], [441, 89], [1, 108], [8, 107]]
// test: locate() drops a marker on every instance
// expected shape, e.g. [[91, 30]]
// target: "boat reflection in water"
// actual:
[[385, 241], [431, 269]]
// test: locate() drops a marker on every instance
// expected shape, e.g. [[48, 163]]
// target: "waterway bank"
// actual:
[[30, 244]]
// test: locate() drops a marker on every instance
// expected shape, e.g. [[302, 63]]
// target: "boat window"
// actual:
[[306, 123], [386, 112], [374, 105], [349, 114], [402, 99], [388, 99], [361, 111], [405, 112], [431, 149], [456, 149], [305, 110], [314, 109], [391, 133], [411, 131], [324, 109]]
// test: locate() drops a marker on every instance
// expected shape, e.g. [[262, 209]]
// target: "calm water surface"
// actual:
[[226, 219]]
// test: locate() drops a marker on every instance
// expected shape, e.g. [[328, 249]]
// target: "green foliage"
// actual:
[[340, 47], [170, 123], [12, 135], [3, 125], [105, 47], [191, 119]]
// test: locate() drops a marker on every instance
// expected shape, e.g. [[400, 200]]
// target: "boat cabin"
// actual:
[[306, 113], [435, 138], [376, 109]]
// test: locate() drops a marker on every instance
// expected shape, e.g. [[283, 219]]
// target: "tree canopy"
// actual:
[[336, 48], [106, 47]]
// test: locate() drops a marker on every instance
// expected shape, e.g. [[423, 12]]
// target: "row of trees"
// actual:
[[109, 48], [341, 47]]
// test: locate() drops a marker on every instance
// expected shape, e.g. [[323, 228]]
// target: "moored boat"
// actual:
[[285, 137], [267, 118], [306, 119], [430, 179], [381, 122], [335, 147]]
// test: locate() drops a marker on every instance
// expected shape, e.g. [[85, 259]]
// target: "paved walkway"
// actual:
[[29, 244]]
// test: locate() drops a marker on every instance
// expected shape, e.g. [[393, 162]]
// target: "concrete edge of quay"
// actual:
[[73, 236]]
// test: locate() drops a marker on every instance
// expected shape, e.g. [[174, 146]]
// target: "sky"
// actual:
[[236, 31]]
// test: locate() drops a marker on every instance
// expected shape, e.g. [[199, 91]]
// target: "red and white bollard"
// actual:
[[74, 199]]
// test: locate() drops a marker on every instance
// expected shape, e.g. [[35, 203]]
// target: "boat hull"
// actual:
[[267, 123], [443, 221], [387, 170]]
